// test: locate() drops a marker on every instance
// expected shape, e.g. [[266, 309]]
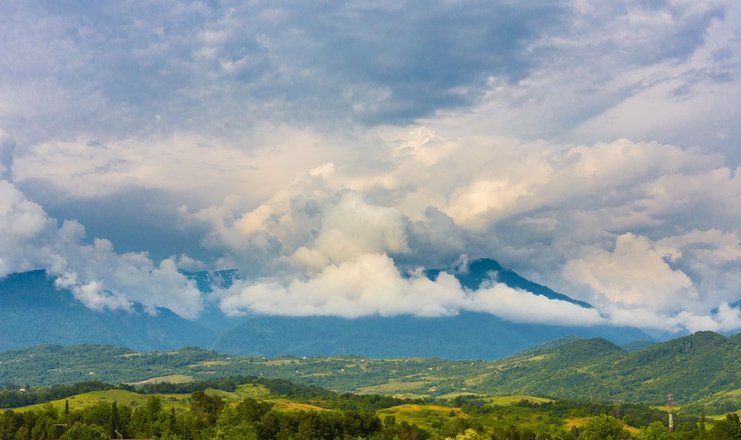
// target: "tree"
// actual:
[[231, 427], [727, 429], [654, 431], [83, 431], [702, 431], [207, 407], [604, 427], [468, 434], [113, 425]]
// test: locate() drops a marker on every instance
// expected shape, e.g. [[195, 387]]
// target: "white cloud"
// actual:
[[519, 306], [21, 222], [635, 273], [724, 319], [351, 227], [97, 275], [695, 271], [643, 71], [372, 285], [552, 209]]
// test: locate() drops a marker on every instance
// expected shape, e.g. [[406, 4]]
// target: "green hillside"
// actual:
[[278, 409], [702, 370], [435, 418]]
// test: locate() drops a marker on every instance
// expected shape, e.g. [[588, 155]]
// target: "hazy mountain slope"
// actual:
[[33, 311], [466, 336]]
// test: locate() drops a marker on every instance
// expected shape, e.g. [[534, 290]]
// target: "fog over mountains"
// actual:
[[36, 312]]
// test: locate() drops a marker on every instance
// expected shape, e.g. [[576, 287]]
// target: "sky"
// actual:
[[330, 150]]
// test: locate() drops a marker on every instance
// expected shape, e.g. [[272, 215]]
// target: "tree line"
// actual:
[[208, 417], [13, 396]]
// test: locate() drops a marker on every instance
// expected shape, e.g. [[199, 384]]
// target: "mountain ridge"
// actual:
[[30, 302], [34, 311]]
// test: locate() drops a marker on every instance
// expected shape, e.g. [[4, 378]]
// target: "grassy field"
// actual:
[[287, 405], [173, 378], [497, 413], [425, 416], [511, 400], [178, 401], [410, 389], [578, 422]]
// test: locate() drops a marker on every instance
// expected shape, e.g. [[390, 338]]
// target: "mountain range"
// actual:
[[33, 311]]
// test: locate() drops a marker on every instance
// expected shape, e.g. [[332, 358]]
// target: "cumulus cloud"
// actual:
[[724, 319], [697, 270], [97, 275], [634, 273], [21, 222], [560, 213], [371, 284], [569, 225]]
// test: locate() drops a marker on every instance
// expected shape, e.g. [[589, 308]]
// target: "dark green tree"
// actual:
[[726, 429], [604, 427], [207, 407], [654, 431], [83, 431], [113, 425]]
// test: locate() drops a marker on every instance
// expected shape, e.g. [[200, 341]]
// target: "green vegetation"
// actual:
[[702, 370], [290, 411], [571, 389]]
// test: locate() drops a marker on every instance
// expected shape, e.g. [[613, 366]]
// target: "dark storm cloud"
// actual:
[[189, 63]]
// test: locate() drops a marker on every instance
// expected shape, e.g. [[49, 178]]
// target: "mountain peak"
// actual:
[[474, 273]]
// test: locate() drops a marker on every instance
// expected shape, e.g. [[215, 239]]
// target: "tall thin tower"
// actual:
[[671, 416]]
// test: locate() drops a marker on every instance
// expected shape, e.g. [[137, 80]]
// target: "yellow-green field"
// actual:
[[287, 405], [578, 422], [723, 416], [425, 416], [517, 398], [257, 392], [173, 378], [177, 401], [109, 396], [394, 388]]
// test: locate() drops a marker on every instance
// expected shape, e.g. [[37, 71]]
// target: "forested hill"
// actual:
[[703, 369]]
